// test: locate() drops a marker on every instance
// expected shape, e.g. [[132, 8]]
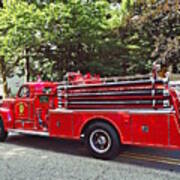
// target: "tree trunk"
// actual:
[[27, 66], [1, 4], [5, 86], [4, 78]]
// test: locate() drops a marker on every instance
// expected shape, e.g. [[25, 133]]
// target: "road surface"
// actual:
[[31, 158]]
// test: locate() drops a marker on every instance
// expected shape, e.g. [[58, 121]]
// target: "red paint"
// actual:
[[39, 111]]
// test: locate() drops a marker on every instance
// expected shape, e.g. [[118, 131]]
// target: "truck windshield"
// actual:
[[24, 92]]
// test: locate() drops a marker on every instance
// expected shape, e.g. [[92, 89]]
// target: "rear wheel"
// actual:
[[102, 141], [3, 133]]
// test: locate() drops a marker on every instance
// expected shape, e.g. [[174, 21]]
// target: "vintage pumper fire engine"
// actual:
[[104, 113]]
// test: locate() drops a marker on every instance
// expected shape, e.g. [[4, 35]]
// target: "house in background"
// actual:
[[13, 84]]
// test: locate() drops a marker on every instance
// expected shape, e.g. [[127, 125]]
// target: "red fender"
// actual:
[[115, 124], [7, 117]]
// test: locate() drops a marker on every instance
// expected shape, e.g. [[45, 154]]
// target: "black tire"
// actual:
[[3, 133], [102, 141]]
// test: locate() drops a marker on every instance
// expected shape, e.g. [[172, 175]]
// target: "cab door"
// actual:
[[24, 109]]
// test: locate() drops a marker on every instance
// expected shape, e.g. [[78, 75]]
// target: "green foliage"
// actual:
[[20, 29], [77, 31], [160, 21], [98, 36]]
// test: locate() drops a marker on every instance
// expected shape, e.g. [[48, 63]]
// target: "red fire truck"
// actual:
[[104, 113]]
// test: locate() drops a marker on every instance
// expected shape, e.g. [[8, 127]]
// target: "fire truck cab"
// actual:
[[29, 109], [105, 114]]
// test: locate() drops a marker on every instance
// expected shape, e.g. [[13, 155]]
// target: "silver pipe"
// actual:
[[133, 102], [120, 93], [122, 83]]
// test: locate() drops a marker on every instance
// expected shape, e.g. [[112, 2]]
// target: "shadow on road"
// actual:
[[76, 148]]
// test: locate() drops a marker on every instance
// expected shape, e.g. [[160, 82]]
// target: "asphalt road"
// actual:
[[31, 158]]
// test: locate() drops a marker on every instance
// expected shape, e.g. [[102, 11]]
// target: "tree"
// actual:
[[149, 32], [6, 65], [160, 21], [100, 36], [76, 31], [20, 33], [54, 37]]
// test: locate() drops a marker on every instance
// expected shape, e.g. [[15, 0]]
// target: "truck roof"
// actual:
[[47, 83], [42, 87]]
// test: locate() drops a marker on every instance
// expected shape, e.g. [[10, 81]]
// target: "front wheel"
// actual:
[[3, 133], [102, 141]]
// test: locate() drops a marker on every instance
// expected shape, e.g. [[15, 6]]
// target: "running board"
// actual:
[[29, 132]]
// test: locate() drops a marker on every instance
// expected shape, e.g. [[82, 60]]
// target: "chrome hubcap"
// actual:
[[100, 141]]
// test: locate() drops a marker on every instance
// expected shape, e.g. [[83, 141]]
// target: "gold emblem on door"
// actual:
[[21, 108]]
